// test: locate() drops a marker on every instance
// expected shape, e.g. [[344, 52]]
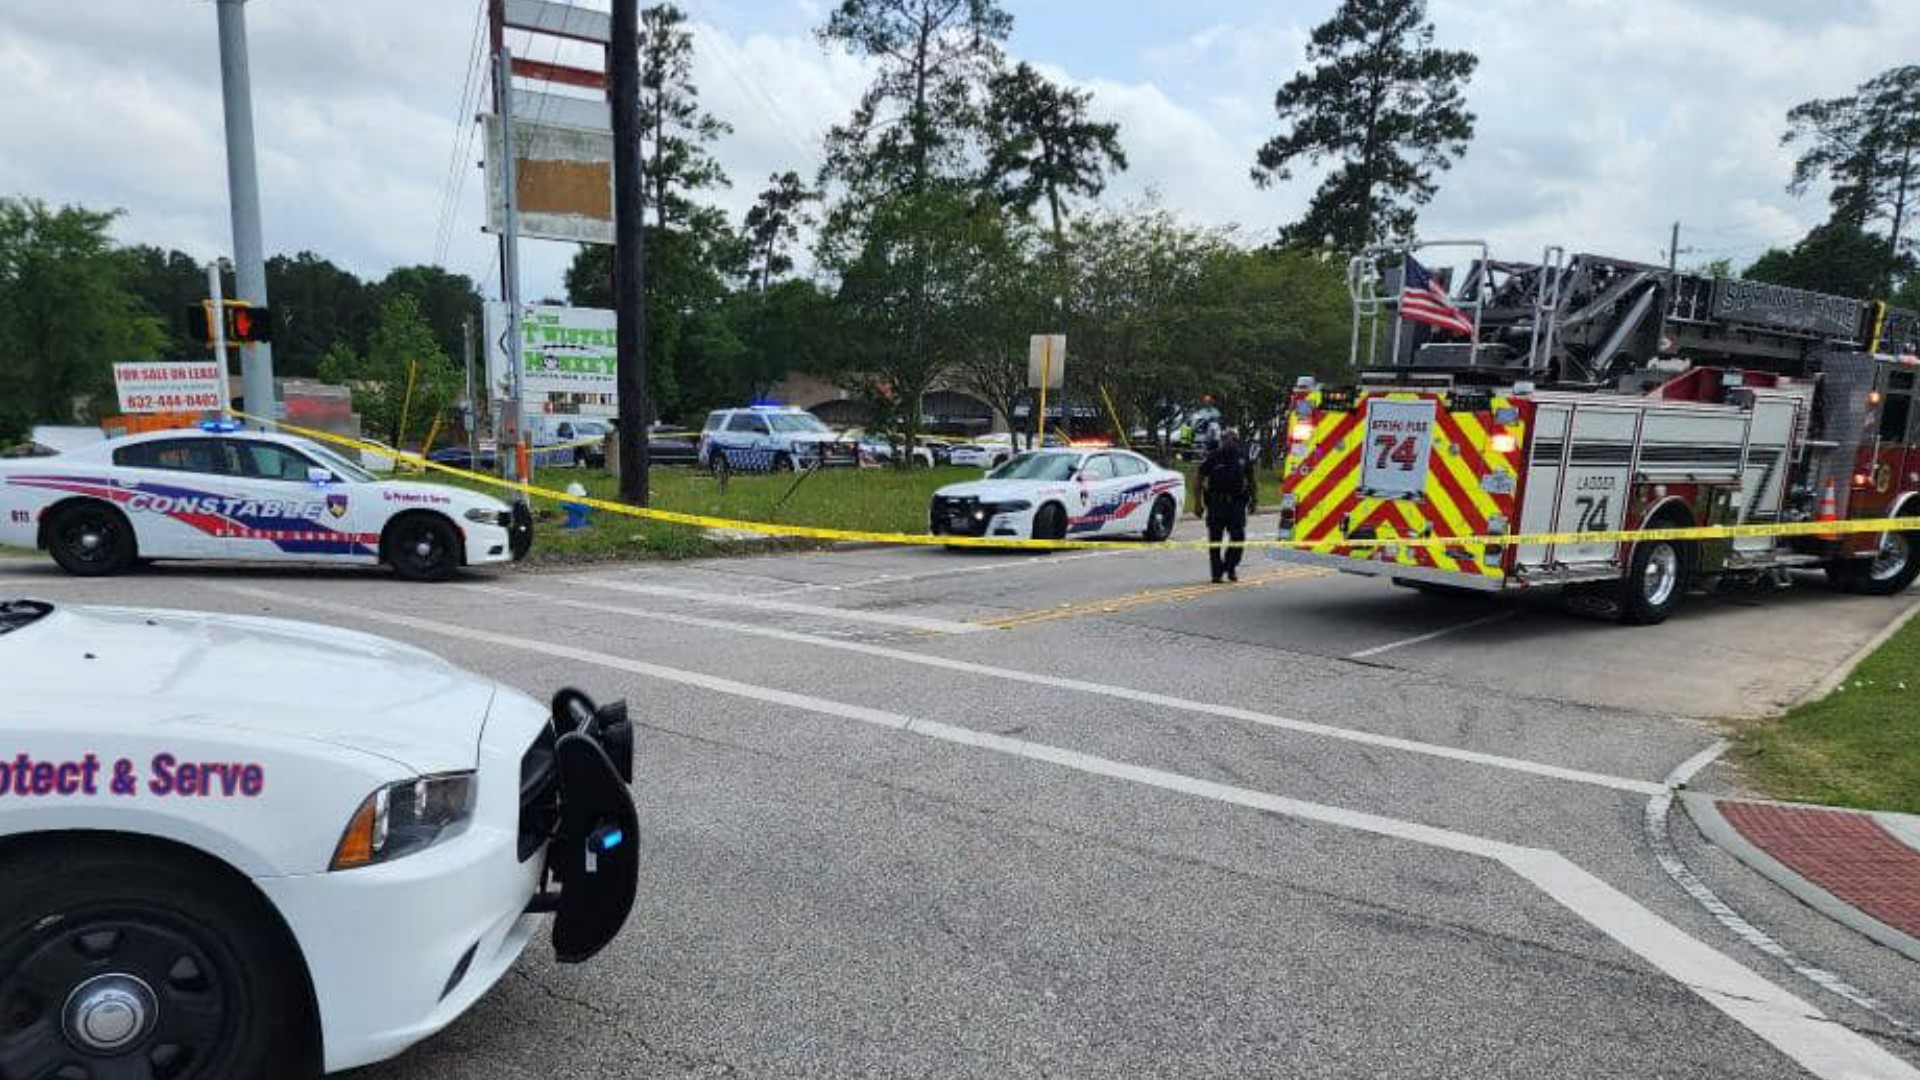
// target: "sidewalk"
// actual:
[[1860, 868]]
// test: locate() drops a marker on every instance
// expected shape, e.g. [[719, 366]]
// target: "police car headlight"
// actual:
[[406, 817], [481, 515]]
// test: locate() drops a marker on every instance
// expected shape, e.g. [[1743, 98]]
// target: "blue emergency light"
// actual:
[[222, 427]]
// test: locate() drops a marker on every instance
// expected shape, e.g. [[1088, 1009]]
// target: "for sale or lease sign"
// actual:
[[170, 386]]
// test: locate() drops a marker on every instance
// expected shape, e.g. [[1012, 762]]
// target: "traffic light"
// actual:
[[244, 323]]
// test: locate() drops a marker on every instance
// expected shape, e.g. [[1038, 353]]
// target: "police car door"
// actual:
[[175, 492], [1100, 494], [287, 515]]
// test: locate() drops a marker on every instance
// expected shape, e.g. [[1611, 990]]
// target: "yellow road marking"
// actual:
[[1112, 604]]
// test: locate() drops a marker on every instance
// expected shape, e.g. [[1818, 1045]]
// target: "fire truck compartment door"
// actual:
[[1399, 442], [1578, 481]]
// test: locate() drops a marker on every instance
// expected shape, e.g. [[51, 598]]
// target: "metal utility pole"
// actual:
[[243, 194], [507, 429], [629, 252]]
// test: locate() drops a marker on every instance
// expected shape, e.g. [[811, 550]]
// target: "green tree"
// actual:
[[916, 294], [908, 161], [1044, 145], [920, 118], [172, 285], [678, 131], [403, 380], [1387, 107], [773, 224], [1836, 258], [316, 306], [1020, 290], [66, 314], [446, 301], [1868, 145]]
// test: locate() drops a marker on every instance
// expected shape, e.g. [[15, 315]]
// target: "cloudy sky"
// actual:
[[1601, 122]]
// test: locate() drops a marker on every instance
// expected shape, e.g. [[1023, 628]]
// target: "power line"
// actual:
[[462, 138]]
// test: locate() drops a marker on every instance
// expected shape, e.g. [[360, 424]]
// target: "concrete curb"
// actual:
[[1705, 812], [1839, 674]]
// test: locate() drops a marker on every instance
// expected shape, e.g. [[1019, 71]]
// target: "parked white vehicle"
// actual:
[[1057, 494], [770, 437], [216, 493], [239, 847]]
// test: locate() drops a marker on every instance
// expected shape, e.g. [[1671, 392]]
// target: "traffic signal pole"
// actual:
[[243, 193]]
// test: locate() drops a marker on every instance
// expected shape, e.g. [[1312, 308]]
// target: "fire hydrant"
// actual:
[[578, 514]]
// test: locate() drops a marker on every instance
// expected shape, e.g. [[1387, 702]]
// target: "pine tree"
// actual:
[[1385, 105], [1868, 145], [1044, 145], [678, 132]]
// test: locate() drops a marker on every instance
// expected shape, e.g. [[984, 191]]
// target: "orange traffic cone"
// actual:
[[1829, 511]]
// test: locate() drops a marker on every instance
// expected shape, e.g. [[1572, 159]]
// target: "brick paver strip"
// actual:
[[1850, 855]]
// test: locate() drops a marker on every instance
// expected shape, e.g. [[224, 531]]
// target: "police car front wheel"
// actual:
[[422, 547], [120, 961]]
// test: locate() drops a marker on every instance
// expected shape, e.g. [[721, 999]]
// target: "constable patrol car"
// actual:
[[235, 848], [221, 493], [1057, 494]]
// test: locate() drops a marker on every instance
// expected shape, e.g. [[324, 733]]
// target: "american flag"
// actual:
[[1423, 300]]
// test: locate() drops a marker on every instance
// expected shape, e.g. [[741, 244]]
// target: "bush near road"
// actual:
[[1858, 747]]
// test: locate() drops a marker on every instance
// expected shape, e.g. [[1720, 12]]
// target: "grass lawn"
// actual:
[[1858, 747], [874, 500]]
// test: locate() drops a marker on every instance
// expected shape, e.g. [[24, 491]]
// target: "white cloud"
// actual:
[[1600, 121]]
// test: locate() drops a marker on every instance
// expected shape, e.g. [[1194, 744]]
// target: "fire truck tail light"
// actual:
[[1861, 479], [1303, 431], [1503, 443], [1873, 398]]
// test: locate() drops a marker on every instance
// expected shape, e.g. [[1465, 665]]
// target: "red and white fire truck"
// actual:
[[1589, 394]]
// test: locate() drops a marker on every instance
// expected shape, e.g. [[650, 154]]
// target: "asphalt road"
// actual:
[[911, 813]]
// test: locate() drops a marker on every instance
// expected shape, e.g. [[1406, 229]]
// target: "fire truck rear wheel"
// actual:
[[1655, 581], [1886, 574]]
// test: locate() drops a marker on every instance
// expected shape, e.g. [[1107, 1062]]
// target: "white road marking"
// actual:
[[762, 603], [1364, 654], [1683, 773], [1123, 693], [981, 568], [1790, 1025]]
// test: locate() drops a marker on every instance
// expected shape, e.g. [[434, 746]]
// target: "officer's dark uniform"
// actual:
[[1226, 487]]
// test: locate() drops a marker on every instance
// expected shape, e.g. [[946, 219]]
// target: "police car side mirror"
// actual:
[[318, 475]]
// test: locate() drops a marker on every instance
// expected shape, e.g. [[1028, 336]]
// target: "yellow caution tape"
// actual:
[[808, 532]]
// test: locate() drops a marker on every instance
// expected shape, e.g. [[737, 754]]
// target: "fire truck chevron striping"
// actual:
[[1598, 396]]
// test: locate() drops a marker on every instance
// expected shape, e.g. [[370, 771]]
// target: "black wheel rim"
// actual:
[[1162, 522], [424, 550], [91, 539], [112, 997]]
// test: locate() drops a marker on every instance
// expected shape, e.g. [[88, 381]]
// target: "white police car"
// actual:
[[780, 438], [234, 848], [217, 492], [1061, 494]]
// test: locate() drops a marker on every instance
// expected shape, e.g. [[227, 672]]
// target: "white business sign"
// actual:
[[564, 350], [171, 386], [1047, 361]]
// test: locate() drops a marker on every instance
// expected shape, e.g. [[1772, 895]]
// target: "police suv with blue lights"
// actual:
[[218, 492], [1058, 494], [236, 847]]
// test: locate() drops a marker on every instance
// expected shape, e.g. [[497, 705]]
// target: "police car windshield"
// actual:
[[796, 422], [15, 614], [341, 468], [1037, 467]]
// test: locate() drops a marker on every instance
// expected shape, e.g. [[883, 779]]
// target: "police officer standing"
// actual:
[[1226, 489]]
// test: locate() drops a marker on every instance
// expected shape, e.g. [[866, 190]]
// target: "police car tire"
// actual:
[[407, 532], [233, 955], [118, 544], [783, 462], [1050, 522]]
